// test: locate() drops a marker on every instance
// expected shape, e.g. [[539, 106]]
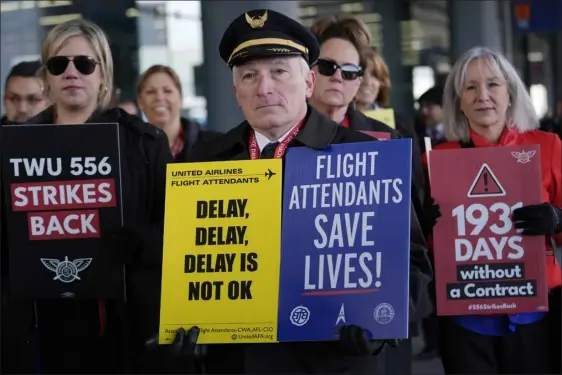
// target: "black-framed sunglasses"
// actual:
[[328, 68], [84, 64]]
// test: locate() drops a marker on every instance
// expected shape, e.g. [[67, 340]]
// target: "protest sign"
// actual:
[[62, 194], [221, 251], [346, 241], [384, 115], [482, 264]]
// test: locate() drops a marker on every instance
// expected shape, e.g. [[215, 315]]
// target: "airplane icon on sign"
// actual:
[[269, 174]]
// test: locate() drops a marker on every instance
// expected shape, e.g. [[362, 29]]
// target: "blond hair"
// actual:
[[520, 112], [58, 36]]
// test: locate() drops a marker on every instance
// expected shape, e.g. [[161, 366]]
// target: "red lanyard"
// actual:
[[281, 147]]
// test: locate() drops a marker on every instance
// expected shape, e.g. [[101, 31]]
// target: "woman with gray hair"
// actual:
[[487, 105]]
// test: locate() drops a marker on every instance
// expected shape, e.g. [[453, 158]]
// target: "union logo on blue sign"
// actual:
[[345, 247]]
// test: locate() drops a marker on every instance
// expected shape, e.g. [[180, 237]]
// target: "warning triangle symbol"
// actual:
[[486, 184]]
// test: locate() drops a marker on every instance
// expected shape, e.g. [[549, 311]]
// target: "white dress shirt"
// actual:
[[263, 141]]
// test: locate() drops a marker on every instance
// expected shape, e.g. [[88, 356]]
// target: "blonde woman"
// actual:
[[487, 105], [89, 336]]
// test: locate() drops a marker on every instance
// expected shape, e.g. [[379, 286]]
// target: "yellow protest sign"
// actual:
[[222, 250], [384, 115]]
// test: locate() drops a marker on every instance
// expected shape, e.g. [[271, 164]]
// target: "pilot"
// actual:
[[270, 56]]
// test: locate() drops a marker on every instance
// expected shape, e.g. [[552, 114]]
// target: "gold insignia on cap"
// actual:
[[256, 22]]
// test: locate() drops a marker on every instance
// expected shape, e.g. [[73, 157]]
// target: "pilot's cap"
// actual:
[[266, 33]]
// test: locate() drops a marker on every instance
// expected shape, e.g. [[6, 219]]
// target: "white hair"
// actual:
[[521, 111], [302, 61]]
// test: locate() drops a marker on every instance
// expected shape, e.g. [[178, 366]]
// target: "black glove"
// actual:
[[354, 341], [432, 212], [538, 219], [124, 244], [185, 343]]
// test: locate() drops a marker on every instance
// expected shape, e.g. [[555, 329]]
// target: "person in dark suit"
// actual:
[[270, 55]]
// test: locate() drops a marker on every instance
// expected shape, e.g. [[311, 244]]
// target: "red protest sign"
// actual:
[[483, 266]]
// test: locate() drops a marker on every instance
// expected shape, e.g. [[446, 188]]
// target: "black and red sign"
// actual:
[[62, 197]]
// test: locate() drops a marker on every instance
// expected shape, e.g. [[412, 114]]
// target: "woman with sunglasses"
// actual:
[[339, 69], [339, 73], [94, 336]]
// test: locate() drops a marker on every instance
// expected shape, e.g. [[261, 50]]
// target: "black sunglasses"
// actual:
[[84, 64], [349, 72]]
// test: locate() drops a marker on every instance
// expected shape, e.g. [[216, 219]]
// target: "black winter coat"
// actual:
[[318, 132], [192, 136], [67, 340]]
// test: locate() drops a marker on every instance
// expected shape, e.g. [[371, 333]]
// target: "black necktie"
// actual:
[[268, 151]]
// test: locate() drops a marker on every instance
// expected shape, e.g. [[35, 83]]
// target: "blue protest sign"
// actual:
[[345, 245]]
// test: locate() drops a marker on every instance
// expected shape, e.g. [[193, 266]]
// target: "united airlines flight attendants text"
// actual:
[[487, 105], [77, 73], [270, 55]]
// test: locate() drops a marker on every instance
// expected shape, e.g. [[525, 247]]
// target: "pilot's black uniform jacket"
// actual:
[[317, 132], [69, 330]]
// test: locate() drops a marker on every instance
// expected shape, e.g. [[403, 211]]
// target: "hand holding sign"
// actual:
[[539, 219], [432, 212], [185, 343]]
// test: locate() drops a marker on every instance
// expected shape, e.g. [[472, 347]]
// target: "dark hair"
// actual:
[[432, 96], [25, 69], [345, 26]]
